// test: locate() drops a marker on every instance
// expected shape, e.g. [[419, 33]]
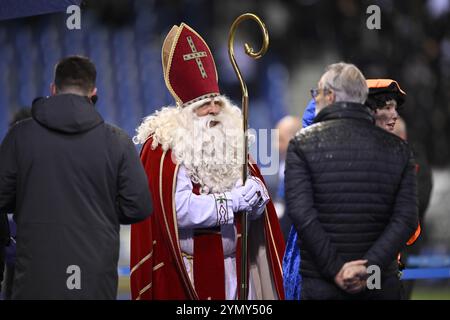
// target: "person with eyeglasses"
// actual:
[[350, 192]]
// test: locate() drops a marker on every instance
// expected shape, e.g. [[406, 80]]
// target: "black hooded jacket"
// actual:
[[70, 179], [350, 192]]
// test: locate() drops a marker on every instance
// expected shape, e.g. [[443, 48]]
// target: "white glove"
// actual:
[[262, 199], [253, 194], [239, 203], [251, 191]]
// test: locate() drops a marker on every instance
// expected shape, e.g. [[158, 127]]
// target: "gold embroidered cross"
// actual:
[[195, 55]]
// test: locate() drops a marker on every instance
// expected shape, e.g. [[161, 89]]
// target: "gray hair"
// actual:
[[346, 81]]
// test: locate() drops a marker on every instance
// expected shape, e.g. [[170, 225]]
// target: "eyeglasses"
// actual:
[[316, 92]]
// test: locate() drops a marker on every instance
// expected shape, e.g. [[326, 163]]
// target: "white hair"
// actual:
[[346, 81], [159, 126], [212, 155]]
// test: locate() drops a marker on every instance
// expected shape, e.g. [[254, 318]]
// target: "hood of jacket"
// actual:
[[67, 113]]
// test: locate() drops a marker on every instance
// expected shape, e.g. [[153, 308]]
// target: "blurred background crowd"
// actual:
[[124, 37]]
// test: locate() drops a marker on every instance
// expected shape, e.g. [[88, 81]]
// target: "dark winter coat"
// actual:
[[70, 179], [350, 192]]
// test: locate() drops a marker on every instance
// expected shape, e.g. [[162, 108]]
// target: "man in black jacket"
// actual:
[[350, 192], [70, 179]]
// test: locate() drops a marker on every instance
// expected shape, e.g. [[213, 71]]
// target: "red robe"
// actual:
[[156, 263]]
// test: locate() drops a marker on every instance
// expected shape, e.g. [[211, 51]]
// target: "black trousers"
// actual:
[[321, 289]]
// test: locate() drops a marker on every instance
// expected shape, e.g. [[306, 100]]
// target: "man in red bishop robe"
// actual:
[[190, 247]]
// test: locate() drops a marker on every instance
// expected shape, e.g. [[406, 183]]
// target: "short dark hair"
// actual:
[[378, 101], [75, 71]]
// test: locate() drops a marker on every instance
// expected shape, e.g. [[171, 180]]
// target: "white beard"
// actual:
[[212, 156]]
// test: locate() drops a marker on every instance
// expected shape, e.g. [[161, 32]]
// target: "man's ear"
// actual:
[[331, 97], [93, 93], [52, 89]]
